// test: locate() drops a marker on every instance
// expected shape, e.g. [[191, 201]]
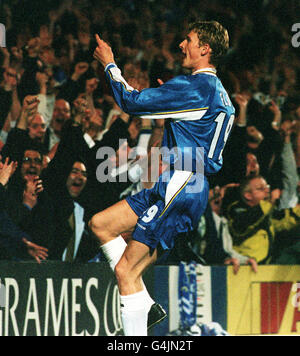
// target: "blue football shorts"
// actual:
[[173, 206]]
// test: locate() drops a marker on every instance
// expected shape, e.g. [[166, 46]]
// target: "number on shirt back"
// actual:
[[220, 119]]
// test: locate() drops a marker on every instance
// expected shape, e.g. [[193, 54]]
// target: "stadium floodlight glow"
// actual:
[[2, 35], [296, 37]]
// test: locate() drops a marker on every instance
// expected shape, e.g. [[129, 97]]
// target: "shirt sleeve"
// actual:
[[178, 98], [228, 246], [90, 142], [288, 198], [46, 107]]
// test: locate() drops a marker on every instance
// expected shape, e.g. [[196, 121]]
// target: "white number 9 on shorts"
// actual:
[[150, 214]]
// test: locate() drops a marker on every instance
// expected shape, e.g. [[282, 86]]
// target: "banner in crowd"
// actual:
[[264, 303], [59, 299], [62, 299]]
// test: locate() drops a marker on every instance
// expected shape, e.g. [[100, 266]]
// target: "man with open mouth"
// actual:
[[72, 242]]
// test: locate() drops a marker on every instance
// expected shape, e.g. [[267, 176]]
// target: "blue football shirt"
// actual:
[[199, 116]]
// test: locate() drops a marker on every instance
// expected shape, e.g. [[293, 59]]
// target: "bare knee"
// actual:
[[99, 228], [95, 224], [113, 221]]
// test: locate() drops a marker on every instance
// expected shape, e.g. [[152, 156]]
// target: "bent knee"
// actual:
[[97, 226], [94, 223]]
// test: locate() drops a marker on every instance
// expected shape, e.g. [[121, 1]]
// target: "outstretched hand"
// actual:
[[37, 252], [34, 186], [253, 264], [103, 53], [236, 264], [7, 170]]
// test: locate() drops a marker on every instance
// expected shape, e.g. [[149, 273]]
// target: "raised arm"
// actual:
[[29, 109], [178, 98]]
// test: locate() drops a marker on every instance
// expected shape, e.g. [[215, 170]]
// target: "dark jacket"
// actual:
[[38, 222], [11, 245], [88, 247]]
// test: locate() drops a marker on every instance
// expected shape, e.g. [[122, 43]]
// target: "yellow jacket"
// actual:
[[253, 229]]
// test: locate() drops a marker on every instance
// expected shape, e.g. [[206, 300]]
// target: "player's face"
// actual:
[[191, 51]]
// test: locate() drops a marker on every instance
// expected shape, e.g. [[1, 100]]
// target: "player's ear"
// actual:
[[205, 49]]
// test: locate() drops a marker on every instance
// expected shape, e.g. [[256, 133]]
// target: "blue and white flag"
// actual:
[[187, 294]]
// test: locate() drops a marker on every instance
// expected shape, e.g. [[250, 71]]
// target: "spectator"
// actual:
[[37, 128], [83, 80], [9, 98], [254, 220], [30, 131], [247, 138], [14, 242], [71, 242], [61, 114], [26, 202], [288, 195]]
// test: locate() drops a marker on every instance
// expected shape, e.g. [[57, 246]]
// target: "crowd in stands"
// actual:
[[59, 124]]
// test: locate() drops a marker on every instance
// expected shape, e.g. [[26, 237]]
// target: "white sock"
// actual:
[[134, 313], [113, 251], [148, 300]]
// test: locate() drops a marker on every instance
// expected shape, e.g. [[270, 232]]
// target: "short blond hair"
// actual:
[[214, 34]]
